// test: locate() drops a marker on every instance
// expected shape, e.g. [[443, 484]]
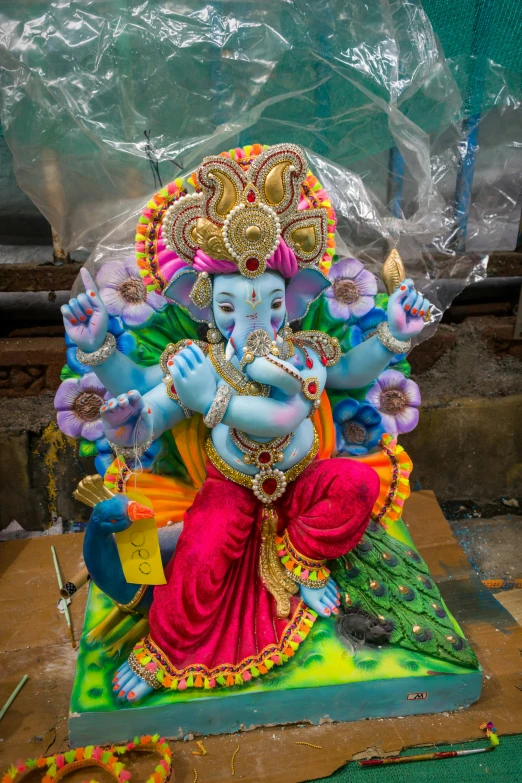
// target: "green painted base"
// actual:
[[329, 678]]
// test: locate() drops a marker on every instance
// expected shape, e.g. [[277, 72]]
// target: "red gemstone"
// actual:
[[264, 457], [324, 360], [251, 197], [269, 486], [312, 387], [309, 364], [252, 264], [173, 388]]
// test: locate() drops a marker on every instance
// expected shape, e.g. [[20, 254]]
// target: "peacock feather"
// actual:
[[389, 581]]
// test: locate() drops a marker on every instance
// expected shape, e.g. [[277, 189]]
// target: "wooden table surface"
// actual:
[[34, 641]]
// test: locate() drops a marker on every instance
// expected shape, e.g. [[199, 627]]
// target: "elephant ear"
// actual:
[[303, 289], [181, 292]]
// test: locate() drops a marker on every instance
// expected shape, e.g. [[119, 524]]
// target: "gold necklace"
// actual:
[[262, 455], [269, 484]]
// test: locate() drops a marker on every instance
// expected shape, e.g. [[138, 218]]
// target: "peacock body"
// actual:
[[389, 582]]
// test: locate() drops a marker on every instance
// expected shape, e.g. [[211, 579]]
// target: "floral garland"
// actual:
[[62, 764], [148, 232], [153, 666], [399, 491]]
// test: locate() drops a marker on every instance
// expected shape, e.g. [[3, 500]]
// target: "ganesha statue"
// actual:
[[254, 385]]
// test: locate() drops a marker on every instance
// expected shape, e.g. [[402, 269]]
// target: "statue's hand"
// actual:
[[406, 309], [85, 317], [193, 378], [126, 419]]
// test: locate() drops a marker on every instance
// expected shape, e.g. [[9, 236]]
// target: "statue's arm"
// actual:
[[364, 363], [360, 366], [195, 382], [86, 321], [131, 419], [266, 417], [119, 373]]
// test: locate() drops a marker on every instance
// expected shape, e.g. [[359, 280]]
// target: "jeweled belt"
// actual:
[[270, 483]]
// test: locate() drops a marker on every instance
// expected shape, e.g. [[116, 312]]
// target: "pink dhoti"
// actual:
[[214, 622]]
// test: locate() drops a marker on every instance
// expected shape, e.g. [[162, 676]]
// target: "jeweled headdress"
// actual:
[[247, 210]]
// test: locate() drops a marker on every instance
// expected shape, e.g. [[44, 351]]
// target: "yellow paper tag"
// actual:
[[139, 549]]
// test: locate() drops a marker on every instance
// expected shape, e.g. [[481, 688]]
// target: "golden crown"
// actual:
[[241, 216]]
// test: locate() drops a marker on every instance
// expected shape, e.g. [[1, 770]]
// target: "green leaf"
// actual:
[[381, 301], [402, 366], [88, 448], [169, 462], [68, 373], [168, 326]]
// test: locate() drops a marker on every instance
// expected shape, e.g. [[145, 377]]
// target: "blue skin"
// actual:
[[132, 417]]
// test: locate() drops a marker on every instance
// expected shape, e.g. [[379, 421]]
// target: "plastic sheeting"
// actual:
[[364, 87]]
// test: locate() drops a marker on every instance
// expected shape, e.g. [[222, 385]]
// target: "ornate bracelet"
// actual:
[[303, 570], [389, 341], [132, 452], [101, 355], [219, 406]]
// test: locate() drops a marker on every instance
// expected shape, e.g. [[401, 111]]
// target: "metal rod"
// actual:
[[60, 586], [13, 696], [395, 182]]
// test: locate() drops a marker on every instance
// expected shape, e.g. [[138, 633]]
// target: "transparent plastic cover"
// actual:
[[102, 101]]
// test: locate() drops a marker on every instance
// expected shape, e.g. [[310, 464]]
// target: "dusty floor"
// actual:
[[492, 546]]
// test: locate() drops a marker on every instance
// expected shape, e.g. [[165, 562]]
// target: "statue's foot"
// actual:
[[325, 601], [129, 686]]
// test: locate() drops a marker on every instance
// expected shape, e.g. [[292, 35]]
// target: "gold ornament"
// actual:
[[240, 216], [273, 575], [91, 490], [201, 293], [393, 271], [210, 239]]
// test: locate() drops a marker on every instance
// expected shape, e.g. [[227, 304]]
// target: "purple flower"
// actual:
[[124, 293], [352, 290], [358, 427], [397, 399], [78, 402]]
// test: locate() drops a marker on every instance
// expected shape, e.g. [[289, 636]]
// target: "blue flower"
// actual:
[[125, 343], [358, 427]]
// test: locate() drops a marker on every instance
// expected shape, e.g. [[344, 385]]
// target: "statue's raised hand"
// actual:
[[193, 378], [406, 311], [85, 317], [127, 420]]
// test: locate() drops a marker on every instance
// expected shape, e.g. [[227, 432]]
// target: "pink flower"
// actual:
[[124, 293], [397, 399], [352, 290], [78, 402]]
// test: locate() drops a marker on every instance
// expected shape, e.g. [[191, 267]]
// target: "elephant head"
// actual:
[[246, 247], [240, 305]]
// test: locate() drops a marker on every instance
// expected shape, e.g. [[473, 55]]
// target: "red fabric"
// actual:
[[214, 609]]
